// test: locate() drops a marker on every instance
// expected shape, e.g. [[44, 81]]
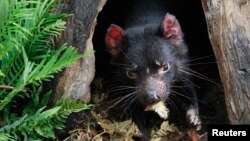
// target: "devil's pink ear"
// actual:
[[172, 30], [113, 37]]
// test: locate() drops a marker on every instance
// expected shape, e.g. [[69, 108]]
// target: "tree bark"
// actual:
[[74, 82], [228, 24]]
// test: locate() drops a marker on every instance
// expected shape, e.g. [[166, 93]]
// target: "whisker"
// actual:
[[189, 80], [178, 87], [198, 75], [118, 98], [189, 98], [123, 92], [120, 64], [132, 100], [124, 86], [119, 101], [183, 78], [121, 88], [203, 102], [126, 55], [127, 100], [205, 63], [195, 59], [172, 103], [205, 77]]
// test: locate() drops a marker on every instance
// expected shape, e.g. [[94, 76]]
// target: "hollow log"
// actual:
[[228, 24], [74, 82]]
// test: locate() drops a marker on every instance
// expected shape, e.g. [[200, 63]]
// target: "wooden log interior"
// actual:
[[75, 81], [228, 24]]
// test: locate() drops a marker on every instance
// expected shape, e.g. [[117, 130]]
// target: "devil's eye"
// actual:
[[132, 74], [165, 67], [162, 67]]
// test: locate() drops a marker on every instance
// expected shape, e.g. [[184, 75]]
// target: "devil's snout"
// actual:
[[154, 90]]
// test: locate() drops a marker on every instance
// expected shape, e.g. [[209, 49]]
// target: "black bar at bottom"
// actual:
[[219, 132]]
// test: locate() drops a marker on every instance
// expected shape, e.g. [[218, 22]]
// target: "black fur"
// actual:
[[140, 47]]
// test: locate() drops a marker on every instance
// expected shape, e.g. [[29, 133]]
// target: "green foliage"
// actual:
[[28, 32], [41, 123]]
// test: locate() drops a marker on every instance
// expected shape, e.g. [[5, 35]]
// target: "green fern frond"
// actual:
[[32, 36], [43, 122], [6, 137], [1, 74], [36, 74], [28, 32]]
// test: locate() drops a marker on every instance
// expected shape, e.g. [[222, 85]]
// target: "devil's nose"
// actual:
[[154, 98]]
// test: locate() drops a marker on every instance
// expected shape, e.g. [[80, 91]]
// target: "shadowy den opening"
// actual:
[[205, 74]]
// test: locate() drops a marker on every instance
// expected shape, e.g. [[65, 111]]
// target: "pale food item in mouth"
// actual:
[[159, 108]]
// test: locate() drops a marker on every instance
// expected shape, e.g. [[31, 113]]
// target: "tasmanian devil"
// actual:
[[150, 59]]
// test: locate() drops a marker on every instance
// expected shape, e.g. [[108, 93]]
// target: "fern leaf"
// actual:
[[6, 137], [44, 122], [1, 73], [28, 32]]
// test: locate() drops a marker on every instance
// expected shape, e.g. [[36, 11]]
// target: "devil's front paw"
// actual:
[[193, 118]]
